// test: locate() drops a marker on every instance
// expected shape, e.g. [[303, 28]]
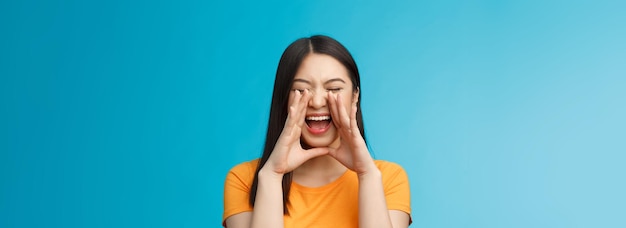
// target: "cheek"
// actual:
[[347, 101]]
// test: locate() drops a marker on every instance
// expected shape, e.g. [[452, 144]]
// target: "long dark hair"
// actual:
[[287, 67]]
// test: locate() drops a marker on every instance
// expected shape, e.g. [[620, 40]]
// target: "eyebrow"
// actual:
[[329, 81]]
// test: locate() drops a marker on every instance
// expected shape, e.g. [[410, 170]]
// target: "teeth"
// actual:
[[318, 118]]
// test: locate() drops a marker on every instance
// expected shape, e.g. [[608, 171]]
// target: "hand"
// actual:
[[288, 153], [352, 151]]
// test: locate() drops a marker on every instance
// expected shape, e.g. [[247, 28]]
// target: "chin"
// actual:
[[309, 141]]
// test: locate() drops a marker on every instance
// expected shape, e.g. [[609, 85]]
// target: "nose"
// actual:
[[318, 99]]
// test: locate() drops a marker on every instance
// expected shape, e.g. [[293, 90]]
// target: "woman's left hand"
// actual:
[[352, 151]]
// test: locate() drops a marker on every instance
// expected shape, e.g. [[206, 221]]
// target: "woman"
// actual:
[[316, 170]]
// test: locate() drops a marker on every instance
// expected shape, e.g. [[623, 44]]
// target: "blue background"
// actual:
[[130, 114]]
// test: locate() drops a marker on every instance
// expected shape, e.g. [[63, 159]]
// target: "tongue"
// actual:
[[318, 124]]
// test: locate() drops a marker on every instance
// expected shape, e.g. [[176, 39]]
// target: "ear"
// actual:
[[355, 95]]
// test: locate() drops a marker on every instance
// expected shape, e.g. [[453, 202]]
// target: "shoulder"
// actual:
[[391, 170], [387, 166], [245, 167], [243, 171], [237, 190]]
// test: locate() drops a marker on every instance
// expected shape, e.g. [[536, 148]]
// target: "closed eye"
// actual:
[[334, 90]]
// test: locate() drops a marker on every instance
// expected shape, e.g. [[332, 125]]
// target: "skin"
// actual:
[[322, 85]]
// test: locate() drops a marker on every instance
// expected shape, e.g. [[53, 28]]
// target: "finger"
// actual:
[[293, 108], [302, 105], [343, 114], [333, 110], [292, 115], [353, 123], [315, 152], [296, 97]]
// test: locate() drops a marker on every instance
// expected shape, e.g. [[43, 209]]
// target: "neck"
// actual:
[[320, 165], [318, 171]]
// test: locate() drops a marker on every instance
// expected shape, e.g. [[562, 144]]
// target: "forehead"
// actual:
[[320, 68]]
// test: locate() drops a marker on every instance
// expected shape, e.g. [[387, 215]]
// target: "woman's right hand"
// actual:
[[288, 153]]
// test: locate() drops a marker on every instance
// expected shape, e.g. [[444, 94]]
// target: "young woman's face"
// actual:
[[322, 74]]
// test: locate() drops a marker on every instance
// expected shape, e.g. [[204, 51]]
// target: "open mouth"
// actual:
[[318, 124]]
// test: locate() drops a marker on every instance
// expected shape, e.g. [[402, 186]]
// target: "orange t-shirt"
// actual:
[[332, 205]]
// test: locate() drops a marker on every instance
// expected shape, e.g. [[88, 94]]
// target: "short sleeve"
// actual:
[[396, 186], [237, 189]]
